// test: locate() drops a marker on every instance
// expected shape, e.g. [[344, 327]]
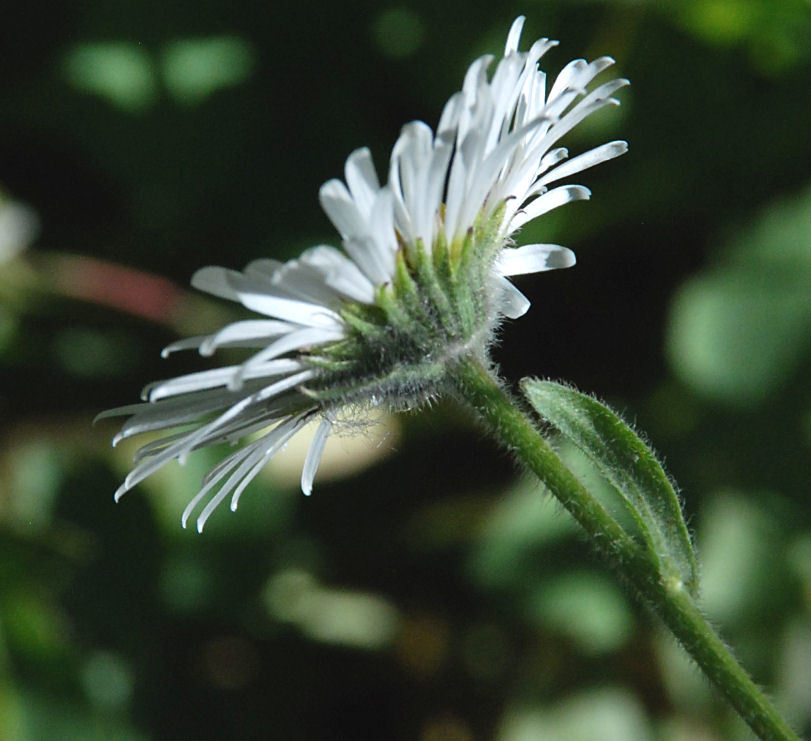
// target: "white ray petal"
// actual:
[[476, 77], [341, 209], [361, 178], [584, 161], [213, 478], [513, 303], [369, 258], [536, 51], [314, 453], [457, 180], [244, 331], [514, 36], [215, 280], [410, 158], [449, 119], [147, 417], [594, 101], [300, 281], [567, 79], [339, 272], [289, 429], [292, 341], [221, 377], [356, 287], [291, 310], [182, 447], [259, 452], [155, 446], [534, 258], [547, 202], [381, 231], [187, 343], [264, 268]]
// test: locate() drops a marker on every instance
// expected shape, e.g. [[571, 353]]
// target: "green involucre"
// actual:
[[441, 305]]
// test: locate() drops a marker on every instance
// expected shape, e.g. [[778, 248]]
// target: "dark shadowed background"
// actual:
[[425, 591]]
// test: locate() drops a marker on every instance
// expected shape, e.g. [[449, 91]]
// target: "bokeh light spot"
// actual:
[[120, 72], [194, 69], [107, 679], [740, 549], [338, 616], [608, 714], [587, 608]]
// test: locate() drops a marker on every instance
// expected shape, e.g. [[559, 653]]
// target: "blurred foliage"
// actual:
[[741, 330], [423, 591]]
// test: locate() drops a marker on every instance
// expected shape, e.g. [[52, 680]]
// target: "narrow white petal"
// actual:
[[293, 341], [584, 161], [242, 474], [476, 77], [285, 431], [169, 413], [369, 258], [594, 101], [534, 258], [455, 195], [549, 201], [484, 185], [432, 190], [215, 280], [314, 454], [358, 288], [341, 209], [514, 36], [256, 292], [381, 232], [212, 478], [513, 303], [221, 377], [410, 158], [155, 446], [184, 446], [552, 157], [250, 330], [449, 119], [568, 78], [188, 343], [362, 179], [301, 281], [536, 51], [340, 273], [323, 256], [297, 312], [264, 268]]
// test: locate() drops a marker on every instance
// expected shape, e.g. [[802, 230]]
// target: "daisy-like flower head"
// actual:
[[421, 280]]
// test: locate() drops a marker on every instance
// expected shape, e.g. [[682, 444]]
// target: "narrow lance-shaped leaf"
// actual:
[[628, 465]]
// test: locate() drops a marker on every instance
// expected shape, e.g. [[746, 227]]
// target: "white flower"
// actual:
[[420, 282]]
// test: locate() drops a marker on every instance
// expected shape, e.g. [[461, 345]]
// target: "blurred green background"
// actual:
[[425, 591]]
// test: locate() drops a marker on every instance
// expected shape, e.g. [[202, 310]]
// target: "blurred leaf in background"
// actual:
[[740, 330]]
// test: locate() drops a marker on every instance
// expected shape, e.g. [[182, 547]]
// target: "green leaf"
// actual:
[[629, 466]]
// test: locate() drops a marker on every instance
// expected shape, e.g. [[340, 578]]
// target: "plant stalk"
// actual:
[[480, 390]]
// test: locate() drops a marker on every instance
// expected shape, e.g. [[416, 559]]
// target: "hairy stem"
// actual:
[[480, 390]]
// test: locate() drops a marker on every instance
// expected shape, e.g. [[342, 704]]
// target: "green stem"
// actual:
[[668, 598]]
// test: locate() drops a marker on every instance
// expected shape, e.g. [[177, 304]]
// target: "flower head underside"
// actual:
[[421, 279]]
